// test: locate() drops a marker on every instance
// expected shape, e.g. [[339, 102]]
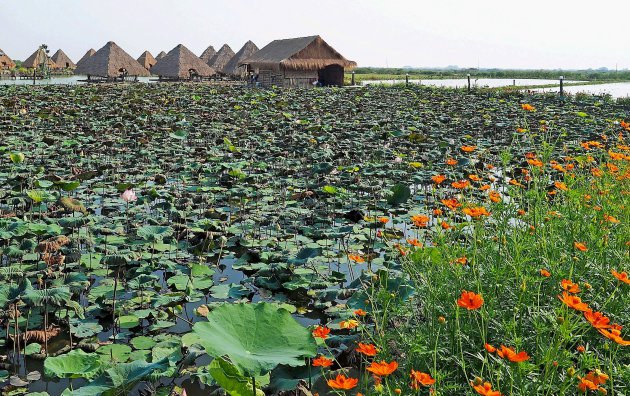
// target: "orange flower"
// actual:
[[360, 312], [611, 219], [349, 324], [623, 276], [461, 260], [535, 162], [561, 186], [512, 355], [321, 332], [521, 130], [597, 172], [356, 258], [322, 361], [484, 187], [437, 212], [451, 162], [516, 183], [585, 385], [367, 349], [615, 335], [383, 220], [574, 302], [545, 273], [528, 107], [419, 378], [452, 203], [474, 178], [521, 212], [382, 369], [476, 211], [495, 196], [445, 225], [343, 382], [437, 179], [420, 220], [597, 377], [570, 286], [597, 320], [460, 184], [468, 149], [490, 348], [470, 300], [486, 390], [580, 246], [414, 242], [580, 349]]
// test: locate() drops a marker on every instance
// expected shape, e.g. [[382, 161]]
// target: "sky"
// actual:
[[532, 34]]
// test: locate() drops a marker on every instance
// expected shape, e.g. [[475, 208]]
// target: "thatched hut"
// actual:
[[38, 58], [147, 60], [181, 64], [207, 54], [221, 58], [298, 62], [6, 63], [161, 55], [63, 61], [233, 68], [85, 57], [111, 62]]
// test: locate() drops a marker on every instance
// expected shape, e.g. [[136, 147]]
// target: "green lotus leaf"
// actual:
[[400, 194], [114, 353], [75, 364], [128, 321], [154, 233], [229, 378], [256, 337], [17, 158], [142, 342]]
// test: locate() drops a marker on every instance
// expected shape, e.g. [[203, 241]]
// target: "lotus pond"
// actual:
[[161, 238]]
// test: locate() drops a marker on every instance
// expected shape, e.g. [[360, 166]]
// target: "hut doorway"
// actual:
[[331, 76]]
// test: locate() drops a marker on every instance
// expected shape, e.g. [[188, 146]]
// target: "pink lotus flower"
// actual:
[[129, 196]]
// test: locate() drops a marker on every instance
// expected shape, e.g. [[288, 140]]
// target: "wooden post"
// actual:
[[352, 83], [407, 79], [468, 82], [561, 86]]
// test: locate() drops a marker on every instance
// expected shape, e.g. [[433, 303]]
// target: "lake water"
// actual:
[[616, 90], [481, 82], [69, 80]]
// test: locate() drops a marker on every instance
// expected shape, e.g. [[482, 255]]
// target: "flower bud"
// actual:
[[560, 320], [571, 371], [477, 381]]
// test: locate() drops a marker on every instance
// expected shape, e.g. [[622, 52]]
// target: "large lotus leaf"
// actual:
[[11, 292], [256, 338], [85, 328], [75, 364], [229, 378], [142, 342], [114, 353], [400, 193], [154, 233]]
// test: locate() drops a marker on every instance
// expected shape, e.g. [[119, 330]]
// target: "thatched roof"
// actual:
[[62, 60], [5, 61], [208, 54], [221, 58], [303, 53], [40, 56], [160, 55], [85, 57], [109, 61], [245, 52], [147, 60], [179, 62]]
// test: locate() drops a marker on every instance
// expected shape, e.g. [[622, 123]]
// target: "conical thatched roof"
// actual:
[[5, 61], [207, 54], [303, 53], [160, 55], [62, 60], [245, 52], [179, 62], [221, 58], [147, 60], [40, 56], [87, 56], [109, 61]]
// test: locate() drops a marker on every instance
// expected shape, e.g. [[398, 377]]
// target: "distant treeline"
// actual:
[[587, 75]]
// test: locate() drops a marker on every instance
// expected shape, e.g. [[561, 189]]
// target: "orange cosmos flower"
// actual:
[[580, 349], [569, 286], [476, 212], [615, 335], [597, 377], [486, 390], [322, 361], [419, 378], [360, 312], [511, 355], [495, 196], [624, 125], [420, 220], [521, 130], [597, 320], [623, 276], [451, 162], [349, 324], [452, 203], [535, 162], [437, 212], [611, 219], [321, 332], [461, 260], [367, 349], [437, 179], [574, 302], [528, 107], [612, 167], [561, 186], [580, 246], [597, 172], [516, 183], [460, 184], [414, 242], [474, 178], [490, 348], [470, 300], [356, 258], [383, 220], [382, 368], [545, 273], [484, 187], [468, 149], [585, 385], [445, 225], [343, 382]]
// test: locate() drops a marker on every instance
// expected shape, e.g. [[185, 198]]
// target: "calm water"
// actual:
[[616, 90], [70, 80], [480, 82]]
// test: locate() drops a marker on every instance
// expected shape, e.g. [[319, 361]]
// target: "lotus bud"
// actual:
[[129, 196], [222, 241]]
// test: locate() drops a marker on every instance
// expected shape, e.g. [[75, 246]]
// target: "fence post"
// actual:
[[561, 86], [352, 78], [468, 82], [407, 79]]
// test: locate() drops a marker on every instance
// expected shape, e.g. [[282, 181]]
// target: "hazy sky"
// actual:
[[488, 33]]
